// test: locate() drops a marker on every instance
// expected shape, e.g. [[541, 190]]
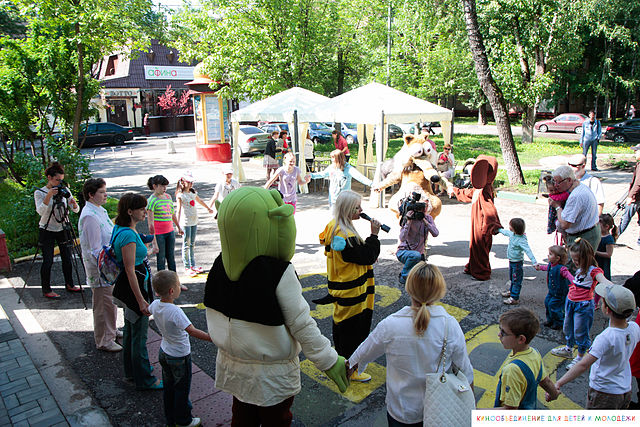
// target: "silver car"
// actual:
[[252, 139]]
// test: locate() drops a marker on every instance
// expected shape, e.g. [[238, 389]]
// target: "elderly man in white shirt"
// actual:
[[579, 165], [579, 217]]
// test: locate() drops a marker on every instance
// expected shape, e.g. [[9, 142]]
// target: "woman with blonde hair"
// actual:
[[340, 173], [411, 339], [350, 275]]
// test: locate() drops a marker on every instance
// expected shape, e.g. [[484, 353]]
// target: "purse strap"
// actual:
[[443, 352]]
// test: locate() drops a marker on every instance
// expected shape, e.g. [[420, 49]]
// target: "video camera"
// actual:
[[63, 192], [411, 208]]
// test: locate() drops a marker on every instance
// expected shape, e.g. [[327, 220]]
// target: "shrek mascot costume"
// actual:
[[256, 314]]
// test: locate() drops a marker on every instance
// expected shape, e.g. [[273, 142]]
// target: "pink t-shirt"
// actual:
[[341, 144], [581, 289]]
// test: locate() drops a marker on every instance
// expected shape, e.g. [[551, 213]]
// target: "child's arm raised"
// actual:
[[197, 333]]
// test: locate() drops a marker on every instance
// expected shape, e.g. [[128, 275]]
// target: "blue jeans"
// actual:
[[627, 216], [515, 273], [166, 250], [578, 319], [176, 377], [554, 306], [134, 353], [409, 259], [188, 243], [594, 148]]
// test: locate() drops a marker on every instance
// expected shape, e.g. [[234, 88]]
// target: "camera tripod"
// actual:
[[60, 213]]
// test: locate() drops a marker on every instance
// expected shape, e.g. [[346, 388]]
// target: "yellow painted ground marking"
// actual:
[[200, 306], [320, 273], [356, 392], [457, 312], [551, 364], [388, 295]]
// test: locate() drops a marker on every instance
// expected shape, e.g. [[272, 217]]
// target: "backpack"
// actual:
[[108, 266]]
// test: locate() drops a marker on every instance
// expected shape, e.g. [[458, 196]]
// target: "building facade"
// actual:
[[131, 85]]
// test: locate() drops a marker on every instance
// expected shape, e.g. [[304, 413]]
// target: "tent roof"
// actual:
[[366, 104], [279, 107]]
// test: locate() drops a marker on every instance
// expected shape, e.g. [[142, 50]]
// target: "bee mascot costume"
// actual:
[[256, 314]]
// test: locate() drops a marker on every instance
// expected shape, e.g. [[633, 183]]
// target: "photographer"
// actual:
[[416, 223], [52, 202]]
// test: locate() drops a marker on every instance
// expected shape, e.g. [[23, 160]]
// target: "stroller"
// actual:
[[620, 204]]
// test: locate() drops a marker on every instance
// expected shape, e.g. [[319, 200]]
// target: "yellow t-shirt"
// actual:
[[514, 384]]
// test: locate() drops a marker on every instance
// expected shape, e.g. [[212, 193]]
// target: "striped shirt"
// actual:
[[162, 210]]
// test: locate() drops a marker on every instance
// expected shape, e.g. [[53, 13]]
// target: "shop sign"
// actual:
[[159, 72], [120, 93]]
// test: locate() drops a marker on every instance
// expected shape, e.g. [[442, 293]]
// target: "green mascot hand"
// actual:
[[338, 374]]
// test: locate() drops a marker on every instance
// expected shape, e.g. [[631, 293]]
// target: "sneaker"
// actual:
[[195, 422], [511, 301], [361, 378], [573, 362], [563, 352], [506, 293], [197, 269], [112, 347], [119, 333], [191, 272]]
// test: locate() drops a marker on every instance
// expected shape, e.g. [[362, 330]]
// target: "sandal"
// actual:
[[74, 288], [51, 295]]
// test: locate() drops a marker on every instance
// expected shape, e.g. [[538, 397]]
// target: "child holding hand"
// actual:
[[558, 279], [518, 246], [175, 349]]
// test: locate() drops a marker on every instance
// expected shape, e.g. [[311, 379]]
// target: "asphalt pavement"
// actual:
[[87, 384]]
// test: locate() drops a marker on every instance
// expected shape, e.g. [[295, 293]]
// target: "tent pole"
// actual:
[[380, 158], [296, 140]]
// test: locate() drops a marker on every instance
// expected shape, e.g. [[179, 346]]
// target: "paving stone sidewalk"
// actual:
[[25, 398]]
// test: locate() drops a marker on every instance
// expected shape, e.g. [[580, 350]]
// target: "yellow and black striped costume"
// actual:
[[351, 287]]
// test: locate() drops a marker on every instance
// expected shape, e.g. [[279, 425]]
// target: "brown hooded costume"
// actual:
[[484, 216]]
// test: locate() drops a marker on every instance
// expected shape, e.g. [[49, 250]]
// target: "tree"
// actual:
[[99, 27], [174, 106], [493, 93]]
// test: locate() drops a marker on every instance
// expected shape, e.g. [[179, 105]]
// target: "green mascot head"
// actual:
[[252, 222]]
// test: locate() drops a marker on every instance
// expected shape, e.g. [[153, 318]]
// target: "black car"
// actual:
[[627, 131], [104, 133]]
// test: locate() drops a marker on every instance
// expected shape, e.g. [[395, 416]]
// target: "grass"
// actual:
[[531, 177]]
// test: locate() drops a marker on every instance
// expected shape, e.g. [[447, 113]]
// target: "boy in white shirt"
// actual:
[[608, 357], [175, 349]]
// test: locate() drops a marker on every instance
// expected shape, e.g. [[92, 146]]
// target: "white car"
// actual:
[[252, 139]]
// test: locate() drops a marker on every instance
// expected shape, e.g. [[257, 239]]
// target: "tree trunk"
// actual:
[[340, 77], [493, 94], [77, 117], [528, 120], [482, 114]]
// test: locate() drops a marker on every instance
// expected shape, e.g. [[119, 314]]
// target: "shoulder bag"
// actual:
[[448, 398]]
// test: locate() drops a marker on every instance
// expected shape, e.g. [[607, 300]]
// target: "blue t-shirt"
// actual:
[[126, 235], [605, 263]]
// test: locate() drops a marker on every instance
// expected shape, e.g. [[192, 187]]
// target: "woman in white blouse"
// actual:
[[411, 339], [95, 232]]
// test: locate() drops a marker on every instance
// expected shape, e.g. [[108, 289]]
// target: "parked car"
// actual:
[[252, 139], [320, 133], [104, 133], [626, 131], [567, 122], [395, 131], [349, 131]]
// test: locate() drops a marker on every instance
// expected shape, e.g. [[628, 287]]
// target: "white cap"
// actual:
[[227, 169], [617, 297], [577, 159], [188, 176]]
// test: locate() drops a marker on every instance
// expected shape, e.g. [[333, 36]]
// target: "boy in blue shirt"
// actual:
[[518, 246]]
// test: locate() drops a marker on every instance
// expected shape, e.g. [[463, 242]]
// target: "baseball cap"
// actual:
[[227, 169], [577, 160], [636, 147], [617, 297]]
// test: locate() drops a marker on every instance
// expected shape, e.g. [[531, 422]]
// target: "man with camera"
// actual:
[[52, 204], [415, 223]]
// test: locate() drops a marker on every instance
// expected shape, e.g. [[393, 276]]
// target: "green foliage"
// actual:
[[18, 217]]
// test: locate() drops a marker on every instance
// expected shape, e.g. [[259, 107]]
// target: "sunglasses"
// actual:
[[503, 333]]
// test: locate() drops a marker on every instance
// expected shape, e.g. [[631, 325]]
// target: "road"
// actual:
[[477, 305]]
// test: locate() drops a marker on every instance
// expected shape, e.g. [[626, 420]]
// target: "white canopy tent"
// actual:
[[285, 107], [377, 104]]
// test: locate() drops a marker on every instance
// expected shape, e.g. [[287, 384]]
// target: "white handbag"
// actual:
[[448, 398]]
